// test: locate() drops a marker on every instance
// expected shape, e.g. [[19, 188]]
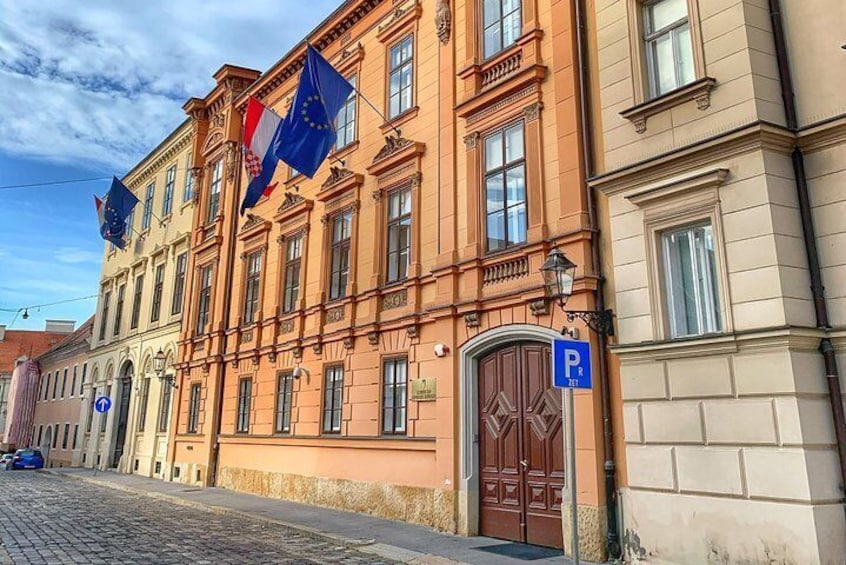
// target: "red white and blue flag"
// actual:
[[261, 126]]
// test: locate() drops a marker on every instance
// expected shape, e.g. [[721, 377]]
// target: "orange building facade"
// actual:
[[378, 338]]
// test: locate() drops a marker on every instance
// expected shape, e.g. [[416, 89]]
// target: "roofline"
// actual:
[[155, 150]]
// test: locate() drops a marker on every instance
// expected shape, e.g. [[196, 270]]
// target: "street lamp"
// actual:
[[558, 276], [159, 367]]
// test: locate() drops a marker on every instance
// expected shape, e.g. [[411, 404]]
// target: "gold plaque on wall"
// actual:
[[424, 390]]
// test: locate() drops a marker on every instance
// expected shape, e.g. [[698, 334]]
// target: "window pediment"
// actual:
[[340, 181], [396, 151], [253, 227], [294, 205], [680, 188]]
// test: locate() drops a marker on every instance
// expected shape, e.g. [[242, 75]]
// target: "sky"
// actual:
[[87, 89]]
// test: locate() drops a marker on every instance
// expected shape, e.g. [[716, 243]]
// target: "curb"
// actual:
[[386, 551]]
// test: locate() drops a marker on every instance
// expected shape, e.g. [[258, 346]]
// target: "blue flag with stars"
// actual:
[[307, 133], [113, 211]]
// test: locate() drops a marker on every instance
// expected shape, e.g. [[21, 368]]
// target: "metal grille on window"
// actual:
[[502, 22], [401, 77], [333, 399], [251, 297], [293, 262], [341, 227], [668, 45], [399, 234], [284, 401], [505, 188], [394, 398]]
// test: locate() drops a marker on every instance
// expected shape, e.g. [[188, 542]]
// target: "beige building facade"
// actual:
[[722, 185], [139, 313]]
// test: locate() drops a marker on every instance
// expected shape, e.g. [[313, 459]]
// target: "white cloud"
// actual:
[[77, 255], [103, 83]]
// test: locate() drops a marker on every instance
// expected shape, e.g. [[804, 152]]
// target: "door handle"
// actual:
[[524, 463]]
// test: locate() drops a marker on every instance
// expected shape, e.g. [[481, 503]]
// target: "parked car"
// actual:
[[28, 459], [6, 461]]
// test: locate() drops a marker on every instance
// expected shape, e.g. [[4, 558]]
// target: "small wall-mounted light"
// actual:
[[299, 372]]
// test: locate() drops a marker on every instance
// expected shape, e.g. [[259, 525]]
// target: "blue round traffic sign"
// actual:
[[102, 404]]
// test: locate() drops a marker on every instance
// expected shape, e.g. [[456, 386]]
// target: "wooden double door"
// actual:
[[521, 446]]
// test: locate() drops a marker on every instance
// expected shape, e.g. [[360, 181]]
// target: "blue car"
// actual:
[[28, 459]]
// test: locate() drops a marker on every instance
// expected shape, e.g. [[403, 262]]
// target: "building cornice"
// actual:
[[154, 162]]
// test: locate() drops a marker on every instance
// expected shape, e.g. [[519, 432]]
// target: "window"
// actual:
[[90, 415], [82, 382], [65, 437], [245, 392], [188, 189], [691, 281], [502, 25], [158, 287], [179, 284], [119, 309], [104, 417], [64, 382], [46, 386], [400, 77], [204, 299], [56, 430], [148, 207], [170, 182], [194, 409], [333, 400], [130, 222], [293, 262], [73, 381], [284, 397], [341, 227], [55, 384], [395, 380], [399, 234], [214, 191], [253, 286], [40, 434], [104, 319], [136, 302], [668, 46], [505, 188], [75, 436], [164, 407], [143, 402], [345, 122]]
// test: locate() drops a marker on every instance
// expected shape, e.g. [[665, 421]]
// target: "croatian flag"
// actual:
[[261, 126]]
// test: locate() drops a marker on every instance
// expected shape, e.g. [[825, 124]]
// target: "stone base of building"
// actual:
[[416, 505], [674, 528], [188, 473], [593, 522]]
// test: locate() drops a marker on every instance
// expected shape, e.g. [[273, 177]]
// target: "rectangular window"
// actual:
[[144, 401], [194, 409], [253, 287], [179, 284], [89, 418], [64, 382], [130, 222], [345, 122], [245, 393], [82, 382], [394, 396], [505, 188], [119, 309], [136, 302], [40, 434], [104, 319], [73, 380], [293, 262], [333, 400], [284, 398], [204, 299], [158, 288], [148, 207], [501, 25], [188, 189], [66, 436], [170, 183], [668, 46], [164, 407], [690, 273], [75, 436], [56, 435], [340, 271], [55, 384], [399, 234], [214, 191], [46, 386], [401, 77]]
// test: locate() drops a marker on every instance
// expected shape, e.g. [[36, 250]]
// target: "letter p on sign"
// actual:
[[571, 366]]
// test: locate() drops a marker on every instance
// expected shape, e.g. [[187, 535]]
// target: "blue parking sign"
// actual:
[[571, 366]]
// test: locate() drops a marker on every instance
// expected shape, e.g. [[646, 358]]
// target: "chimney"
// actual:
[[60, 326], [2, 333]]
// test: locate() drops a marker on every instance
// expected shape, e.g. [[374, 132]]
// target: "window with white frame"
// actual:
[[170, 183], [284, 401], [501, 25], [148, 207], [340, 252], [401, 77], [204, 299], [253, 286], [345, 122], [690, 281], [333, 399], [394, 397], [399, 234], [293, 264], [668, 45], [214, 191], [188, 189], [505, 188]]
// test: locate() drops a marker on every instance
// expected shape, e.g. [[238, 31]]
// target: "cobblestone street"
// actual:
[[46, 519]]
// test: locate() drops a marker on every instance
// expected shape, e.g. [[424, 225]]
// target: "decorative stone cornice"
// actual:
[[471, 140], [699, 90], [137, 179], [532, 111]]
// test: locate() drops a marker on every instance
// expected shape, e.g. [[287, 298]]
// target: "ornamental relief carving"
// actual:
[[291, 199], [470, 140], [336, 175], [286, 326], [335, 314], [395, 300], [443, 21], [532, 111], [393, 144], [231, 162]]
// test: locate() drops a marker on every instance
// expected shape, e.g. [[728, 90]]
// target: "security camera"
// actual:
[[299, 372], [441, 350]]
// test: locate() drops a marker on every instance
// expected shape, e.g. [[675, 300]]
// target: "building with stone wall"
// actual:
[[723, 211], [378, 338], [139, 313]]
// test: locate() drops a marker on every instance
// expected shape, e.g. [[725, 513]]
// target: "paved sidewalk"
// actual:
[[389, 539]]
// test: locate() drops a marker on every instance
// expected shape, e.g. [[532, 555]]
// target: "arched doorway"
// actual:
[[122, 414], [512, 443]]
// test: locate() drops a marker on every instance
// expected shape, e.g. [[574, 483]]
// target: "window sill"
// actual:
[[699, 90], [399, 120]]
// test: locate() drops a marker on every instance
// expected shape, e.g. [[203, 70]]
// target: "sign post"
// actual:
[[571, 369]]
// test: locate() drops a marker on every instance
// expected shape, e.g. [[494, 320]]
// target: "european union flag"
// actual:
[[307, 133], [113, 212]]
